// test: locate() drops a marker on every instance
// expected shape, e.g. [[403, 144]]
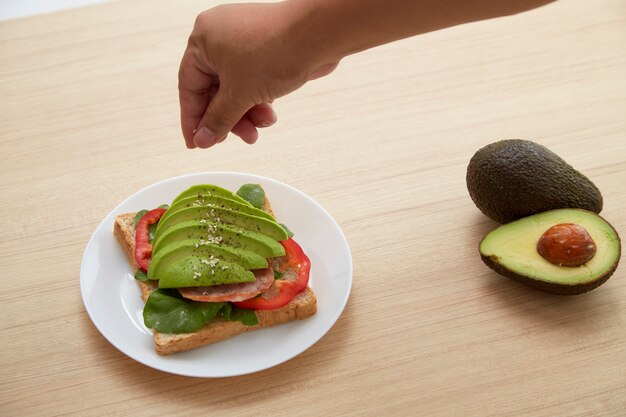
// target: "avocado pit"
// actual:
[[566, 244]]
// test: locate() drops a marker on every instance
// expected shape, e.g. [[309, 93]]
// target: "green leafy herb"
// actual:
[[139, 215], [165, 206], [278, 274], [141, 276], [245, 316], [168, 312], [289, 232], [253, 194]]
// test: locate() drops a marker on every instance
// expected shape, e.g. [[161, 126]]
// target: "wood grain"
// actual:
[[89, 115]]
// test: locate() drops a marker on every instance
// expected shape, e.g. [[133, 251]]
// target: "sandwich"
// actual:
[[214, 264]]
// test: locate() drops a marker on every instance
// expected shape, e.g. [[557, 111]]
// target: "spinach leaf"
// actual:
[[141, 276], [167, 312], [253, 194], [245, 316], [139, 215], [278, 274]]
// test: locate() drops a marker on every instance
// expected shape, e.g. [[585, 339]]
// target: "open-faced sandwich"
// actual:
[[214, 264]]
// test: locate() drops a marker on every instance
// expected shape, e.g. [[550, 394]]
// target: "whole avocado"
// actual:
[[515, 178]]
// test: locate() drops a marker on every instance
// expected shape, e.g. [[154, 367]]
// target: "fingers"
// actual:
[[246, 130], [207, 115], [195, 93], [221, 116], [262, 115]]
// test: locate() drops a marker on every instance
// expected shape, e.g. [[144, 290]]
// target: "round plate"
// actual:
[[112, 299]]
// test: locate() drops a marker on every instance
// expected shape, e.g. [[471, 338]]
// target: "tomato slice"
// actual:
[[143, 247], [283, 291]]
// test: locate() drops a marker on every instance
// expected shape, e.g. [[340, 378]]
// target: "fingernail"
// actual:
[[204, 138], [270, 120]]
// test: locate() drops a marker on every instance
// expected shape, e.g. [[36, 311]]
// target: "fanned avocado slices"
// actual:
[[208, 189], [227, 235], [222, 215], [194, 247], [211, 236]]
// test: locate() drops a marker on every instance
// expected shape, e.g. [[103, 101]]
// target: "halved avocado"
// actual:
[[511, 250]]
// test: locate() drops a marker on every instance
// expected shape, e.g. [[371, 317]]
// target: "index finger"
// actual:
[[195, 90]]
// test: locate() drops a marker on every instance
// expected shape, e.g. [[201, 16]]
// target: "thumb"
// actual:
[[222, 114]]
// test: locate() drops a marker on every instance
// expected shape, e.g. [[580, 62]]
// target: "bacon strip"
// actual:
[[231, 292]]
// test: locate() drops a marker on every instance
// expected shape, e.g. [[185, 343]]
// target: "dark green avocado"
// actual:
[[512, 251], [515, 178]]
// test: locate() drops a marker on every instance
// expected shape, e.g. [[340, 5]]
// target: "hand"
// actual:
[[240, 58]]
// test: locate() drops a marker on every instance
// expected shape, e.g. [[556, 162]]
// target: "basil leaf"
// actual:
[[141, 276], [139, 215], [289, 232], [168, 312], [253, 194], [245, 316]]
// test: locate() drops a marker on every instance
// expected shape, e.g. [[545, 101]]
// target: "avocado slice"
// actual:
[[210, 202], [208, 189], [231, 236], [191, 247], [511, 250], [515, 178], [221, 216], [193, 271]]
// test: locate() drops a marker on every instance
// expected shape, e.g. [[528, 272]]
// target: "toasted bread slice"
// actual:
[[302, 306]]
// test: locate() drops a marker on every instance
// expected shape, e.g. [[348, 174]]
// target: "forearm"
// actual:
[[337, 28]]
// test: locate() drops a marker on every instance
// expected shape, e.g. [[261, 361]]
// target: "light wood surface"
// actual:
[[89, 115]]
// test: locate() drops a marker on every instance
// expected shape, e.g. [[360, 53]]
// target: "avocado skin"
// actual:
[[515, 178], [551, 287]]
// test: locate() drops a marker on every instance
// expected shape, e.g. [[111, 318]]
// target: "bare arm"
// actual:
[[241, 57]]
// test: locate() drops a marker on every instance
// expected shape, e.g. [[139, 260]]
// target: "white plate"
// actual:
[[112, 300]]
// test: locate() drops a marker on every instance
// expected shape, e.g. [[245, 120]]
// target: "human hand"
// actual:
[[240, 58]]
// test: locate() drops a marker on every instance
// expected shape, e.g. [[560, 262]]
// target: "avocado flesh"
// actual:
[[511, 250], [209, 189], [211, 202], [515, 178], [191, 247], [210, 236], [190, 271], [231, 237], [222, 215]]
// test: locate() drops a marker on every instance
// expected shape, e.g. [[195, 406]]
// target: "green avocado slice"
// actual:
[[221, 216], [511, 250], [231, 236], [209, 189], [191, 247], [193, 271], [211, 202]]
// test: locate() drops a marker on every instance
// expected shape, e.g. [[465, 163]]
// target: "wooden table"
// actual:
[[89, 115]]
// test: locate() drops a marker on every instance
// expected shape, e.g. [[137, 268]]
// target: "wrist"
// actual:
[[314, 35]]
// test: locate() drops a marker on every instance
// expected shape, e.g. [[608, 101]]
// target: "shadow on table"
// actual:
[[319, 359]]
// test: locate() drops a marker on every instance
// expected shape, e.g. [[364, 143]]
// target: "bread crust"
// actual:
[[300, 307]]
